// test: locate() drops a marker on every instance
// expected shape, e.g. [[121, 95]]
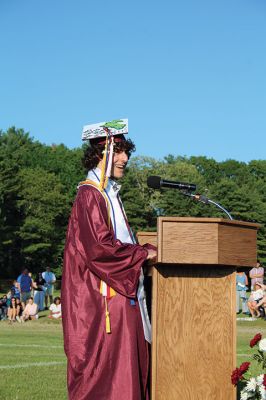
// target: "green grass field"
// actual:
[[33, 364], [32, 360]]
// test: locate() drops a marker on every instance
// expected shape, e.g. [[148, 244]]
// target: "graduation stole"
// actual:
[[106, 291]]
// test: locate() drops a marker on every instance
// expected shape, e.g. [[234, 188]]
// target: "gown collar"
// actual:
[[112, 187]]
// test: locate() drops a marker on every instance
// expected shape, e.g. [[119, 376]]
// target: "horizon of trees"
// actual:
[[38, 186]]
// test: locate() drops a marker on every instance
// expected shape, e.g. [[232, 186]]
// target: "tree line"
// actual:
[[38, 186]]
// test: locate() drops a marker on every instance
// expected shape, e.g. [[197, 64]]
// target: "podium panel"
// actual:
[[194, 333]]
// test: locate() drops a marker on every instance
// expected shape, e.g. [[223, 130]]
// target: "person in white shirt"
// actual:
[[50, 280], [55, 309], [254, 299]]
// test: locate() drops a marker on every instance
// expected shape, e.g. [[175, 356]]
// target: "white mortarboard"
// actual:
[[109, 131], [115, 127]]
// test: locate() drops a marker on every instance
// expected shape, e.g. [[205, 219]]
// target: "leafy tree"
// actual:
[[208, 168], [15, 151], [44, 213]]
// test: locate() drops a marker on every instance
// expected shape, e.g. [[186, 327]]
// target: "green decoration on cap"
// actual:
[[115, 124]]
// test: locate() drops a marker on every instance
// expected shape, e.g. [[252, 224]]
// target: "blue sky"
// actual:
[[189, 75]]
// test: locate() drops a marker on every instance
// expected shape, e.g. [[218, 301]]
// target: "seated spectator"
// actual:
[[55, 309], [19, 309], [255, 297], [3, 308], [8, 298], [12, 310], [30, 311], [261, 305]]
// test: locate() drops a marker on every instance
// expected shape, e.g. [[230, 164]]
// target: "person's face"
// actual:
[[13, 301], [30, 301], [119, 165], [58, 301]]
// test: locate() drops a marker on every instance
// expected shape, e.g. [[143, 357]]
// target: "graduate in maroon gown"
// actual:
[[105, 320]]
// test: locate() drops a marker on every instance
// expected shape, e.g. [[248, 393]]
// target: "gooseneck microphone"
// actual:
[[156, 182]]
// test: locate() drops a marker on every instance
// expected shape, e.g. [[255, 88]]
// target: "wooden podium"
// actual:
[[194, 305]]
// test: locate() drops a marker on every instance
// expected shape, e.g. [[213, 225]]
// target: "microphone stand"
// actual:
[[205, 200]]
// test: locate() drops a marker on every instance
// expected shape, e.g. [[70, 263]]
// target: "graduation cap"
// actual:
[[106, 133], [104, 129]]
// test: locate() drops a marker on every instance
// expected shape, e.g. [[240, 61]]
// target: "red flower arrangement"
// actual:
[[252, 387], [255, 340], [244, 367], [237, 374]]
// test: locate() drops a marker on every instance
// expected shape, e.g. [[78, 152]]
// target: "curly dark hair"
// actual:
[[94, 153]]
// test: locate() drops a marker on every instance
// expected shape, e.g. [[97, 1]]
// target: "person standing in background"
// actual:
[[25, 286], [241, 292], [256, 274], [39, 291], [50, 280], [15, 292]]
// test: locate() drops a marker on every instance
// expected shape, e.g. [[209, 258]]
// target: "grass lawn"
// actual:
[[33, 364], [32, 360]]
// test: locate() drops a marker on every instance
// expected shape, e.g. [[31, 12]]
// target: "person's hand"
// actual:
[[152, 255]]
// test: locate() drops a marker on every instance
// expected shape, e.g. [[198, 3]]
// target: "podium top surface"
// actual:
[[222, 221]]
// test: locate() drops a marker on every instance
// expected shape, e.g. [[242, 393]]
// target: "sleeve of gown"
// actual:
[[118, 264]]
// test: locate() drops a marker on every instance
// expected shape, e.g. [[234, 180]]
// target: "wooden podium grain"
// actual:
[[193, 305]]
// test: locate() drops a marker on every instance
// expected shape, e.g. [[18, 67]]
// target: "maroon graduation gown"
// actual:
[[101, 366]]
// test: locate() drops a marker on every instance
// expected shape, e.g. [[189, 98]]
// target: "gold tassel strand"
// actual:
[[103, 177], [107, 317]]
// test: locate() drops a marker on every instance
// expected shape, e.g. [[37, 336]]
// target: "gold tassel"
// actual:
[[107, 318], [103, 179]]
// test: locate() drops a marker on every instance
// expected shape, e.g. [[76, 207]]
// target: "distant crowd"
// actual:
[[255, 304], [28, 296]]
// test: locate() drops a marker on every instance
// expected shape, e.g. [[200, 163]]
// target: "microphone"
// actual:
[[156, 182]]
